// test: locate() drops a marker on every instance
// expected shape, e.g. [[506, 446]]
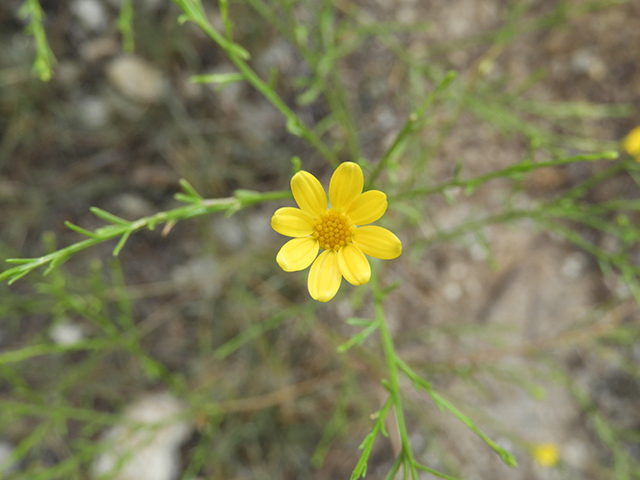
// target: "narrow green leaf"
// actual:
[[358, 322], [121, 242], [55, 263], [293, 127], [19, 261], [80, 230], [125, 25], [219, 78], [15, 277], [310, 95], [109, 217], [237, 50], [358, 338], [181, 197]]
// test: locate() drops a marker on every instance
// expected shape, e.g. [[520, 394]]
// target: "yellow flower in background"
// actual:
[[333, 228], [546, 454], [631, 143]]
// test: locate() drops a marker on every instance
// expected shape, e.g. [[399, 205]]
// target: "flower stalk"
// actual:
[[393, 385]]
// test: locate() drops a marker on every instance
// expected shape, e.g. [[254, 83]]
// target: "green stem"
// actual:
[[123, 228], [194, 12], [411, 125], [393, 384], [508, 172]]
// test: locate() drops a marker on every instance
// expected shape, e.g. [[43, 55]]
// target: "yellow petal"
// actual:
[[297, 254], [354, 266], [292, 222], [346, 185], [324, 276], [377, 242], [308, 193], [631, 142], [368, 207]]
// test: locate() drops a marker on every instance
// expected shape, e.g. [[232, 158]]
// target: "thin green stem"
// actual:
[[325, 71], [45, 59], [412, 123], [122, 228], [509, 172], [194, 12], [393, 384], [125, 25]]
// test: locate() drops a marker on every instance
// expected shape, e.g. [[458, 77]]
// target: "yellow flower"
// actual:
[[333, 228], [631, 143], [546, 454]]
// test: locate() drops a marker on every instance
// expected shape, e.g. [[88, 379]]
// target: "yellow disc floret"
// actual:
[[333, 230]]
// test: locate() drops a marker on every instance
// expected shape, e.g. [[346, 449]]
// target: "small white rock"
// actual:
[[6, 449], [202, 273], [576, 454], [452, 291], [279, 54], [93, 112], [229, 232], [574, 265], [91, 14], [586, 62], [132, 206], [66, 334], [259, 226], [136, 78], [146, 445]]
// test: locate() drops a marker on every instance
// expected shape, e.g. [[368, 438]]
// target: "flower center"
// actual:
[[333, 230]]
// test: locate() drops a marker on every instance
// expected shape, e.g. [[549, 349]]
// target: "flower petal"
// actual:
[[368, 207], [324, 276], [308, 193], [292, 222], [297, 254], [377, 242], [354, 266], [346, 185], [631, 143]]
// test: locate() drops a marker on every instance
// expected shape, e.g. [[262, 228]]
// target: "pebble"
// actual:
[[91, 14], [137, 79], [93, 112], [586, 62], [279, 54], [200, 273], [229, 231], [6, 449], [576, 453], [132, 206], [452, 291], [66, 333], [574, 265], [259, 226], [145, 445]]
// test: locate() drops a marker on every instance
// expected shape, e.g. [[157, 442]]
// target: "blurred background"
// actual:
[[510, 315]]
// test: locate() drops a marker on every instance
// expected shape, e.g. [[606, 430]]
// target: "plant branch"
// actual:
[[122, 229]]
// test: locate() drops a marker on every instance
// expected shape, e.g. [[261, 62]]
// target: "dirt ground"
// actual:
[[513, 322]]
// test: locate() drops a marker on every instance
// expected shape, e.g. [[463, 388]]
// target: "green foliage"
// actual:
[[436, 99], [45, 60]]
